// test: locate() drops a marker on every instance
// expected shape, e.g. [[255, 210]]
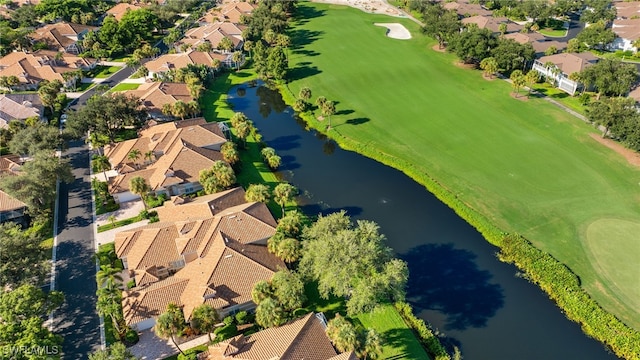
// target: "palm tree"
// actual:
[[266, 152], [217, 178], [204, 319], [101, 163], [109, 304], [194, 108], [269, 313], [248, 45], [167, 109], [283, 41], [299, 106], [257, 193], [134, 155], [97, 140], [328, 109], [195, 89], [274, 161], [517, 80], [489, 65], [171, 324], [552, 72], [320, 102], [261, 290], [289, 250], [342, 334], [108, 276], [148, 156], [225, 44], [283, 193], [370, 345], [237, 59], [305, 94], [215, 65], [180, 109], [230, 153], [138, 185], [532, 78], [243, 130]]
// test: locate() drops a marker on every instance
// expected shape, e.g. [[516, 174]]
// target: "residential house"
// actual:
[[213, 33], [62, 36], [121, 8], [159, 139], [232, 12], [183, 208], [538, 41], [466, 9], [10, 165], [563, 65], [303, 338], [155, 95], [19, 107], [212, 261], [31, 68], [626, 26], [168, 62], [11, 209], [492, 23]]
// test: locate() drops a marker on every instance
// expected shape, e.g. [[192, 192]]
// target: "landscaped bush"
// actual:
[[131, 284], [426, 336], [563, 286], [225, 332], [242, 318], [228, 320], [191, 354], [131, 337], [155, 201]]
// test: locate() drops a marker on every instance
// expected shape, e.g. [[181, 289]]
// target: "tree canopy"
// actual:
[[22, 259], [611, 77], [352, 261], [473, 44], [106, 115], [440, 24], [34, 139]]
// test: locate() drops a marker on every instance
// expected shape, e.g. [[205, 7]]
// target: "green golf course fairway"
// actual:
[[526, 165]]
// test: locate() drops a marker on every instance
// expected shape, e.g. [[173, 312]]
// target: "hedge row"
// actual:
[[563, 286], [426, 336], [558, 281]]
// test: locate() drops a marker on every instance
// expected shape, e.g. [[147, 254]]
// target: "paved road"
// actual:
[[77, 321], [575, 26], [114, 80]]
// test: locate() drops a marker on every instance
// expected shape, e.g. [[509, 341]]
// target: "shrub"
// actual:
[[242, 317], [225, 332], [191, 354], [131, 284], [144, 214], [131, 337], [228, 320], [425, 334]]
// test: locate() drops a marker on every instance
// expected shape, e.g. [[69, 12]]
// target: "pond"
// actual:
[[456, 282]]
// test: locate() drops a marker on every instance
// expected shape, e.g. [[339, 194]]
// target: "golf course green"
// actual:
[[527, 166]]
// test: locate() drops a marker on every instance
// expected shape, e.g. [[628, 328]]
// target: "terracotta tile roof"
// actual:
[[345, 356], [627, 28], [303, 338], [30, 68], [539, 43], [627, 9], [9, 203], [464, 8], [202, 206], [492, 23], [61, 34], [155, 94], [222, 276], [569, 63], [214, 33], [120, 9], [10, 165], [10, 110], [180, 60], [149, 301], [230, 12], [120, 183]]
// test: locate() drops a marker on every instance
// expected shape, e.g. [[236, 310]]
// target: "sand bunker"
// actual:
[[395, 30]]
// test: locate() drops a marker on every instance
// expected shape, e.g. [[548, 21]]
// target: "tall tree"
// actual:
[[284, 193], [225, 44], [37, 138], [138, 185], [269, 313], [180, 109], [204, 319], [217, 178], [511, 55], [291, 224], [531, 79], [134, 155], [489, 66], [597, 36], [304, 94], [342, 334], [472, 45], [230, 153], [171, 324], [611, 77], [517, 80], [612, 114], [101, 163], [288, 289], [367, 273], [440, 24], [257, 193], [370, 345], [237, 58], [328, 109], [277, 63], [22, 259], [48, 92]]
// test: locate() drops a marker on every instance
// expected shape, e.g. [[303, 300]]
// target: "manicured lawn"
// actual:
[[527, 166], [573, 102], [84, 87], [103, 72], [124, 87], [400, 342], [553, 32]]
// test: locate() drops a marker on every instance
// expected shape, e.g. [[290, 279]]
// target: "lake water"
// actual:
[[456, 282]]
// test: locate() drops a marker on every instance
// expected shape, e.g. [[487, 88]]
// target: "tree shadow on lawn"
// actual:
[[357, 121], [448, 280], [303, 37], [302, 72], [304, 13]]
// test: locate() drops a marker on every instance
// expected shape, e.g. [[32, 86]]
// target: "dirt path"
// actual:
[[631, 156]]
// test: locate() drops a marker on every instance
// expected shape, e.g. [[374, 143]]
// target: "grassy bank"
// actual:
[[504, 165]]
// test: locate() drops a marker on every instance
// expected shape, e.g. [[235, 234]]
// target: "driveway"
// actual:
[[77, 321]]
